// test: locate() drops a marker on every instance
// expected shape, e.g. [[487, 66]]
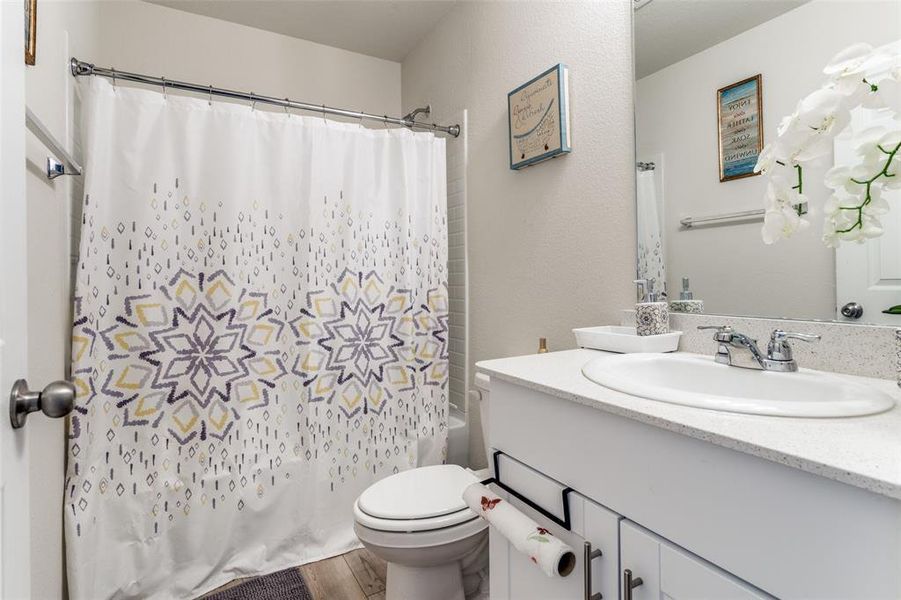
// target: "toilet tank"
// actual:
[[480, 396], [457, 438]]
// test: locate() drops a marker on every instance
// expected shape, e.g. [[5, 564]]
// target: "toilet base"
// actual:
[[441, 582], [421, 566]]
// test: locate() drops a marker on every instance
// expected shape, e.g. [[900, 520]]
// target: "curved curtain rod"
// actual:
[[81, 69]]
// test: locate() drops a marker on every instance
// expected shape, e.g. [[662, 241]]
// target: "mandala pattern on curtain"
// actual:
[[260, 333]]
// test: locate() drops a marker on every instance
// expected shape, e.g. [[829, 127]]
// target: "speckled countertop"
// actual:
[[861, 451]]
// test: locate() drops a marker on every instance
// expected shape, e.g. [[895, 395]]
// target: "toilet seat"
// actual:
[[413, 525], [422, 499]]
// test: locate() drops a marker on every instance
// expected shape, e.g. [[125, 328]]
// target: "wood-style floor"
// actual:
[[357, 575]]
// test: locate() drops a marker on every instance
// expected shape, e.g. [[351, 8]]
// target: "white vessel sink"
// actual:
[[698, 381]]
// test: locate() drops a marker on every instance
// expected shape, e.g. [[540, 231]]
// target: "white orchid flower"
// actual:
[[891, 138], [788, 122], [781, 219], [825, 111], [766, 160], [877, 206], [872, 228], [849, 62], [839, 178], [779, 224], [830, 239], [867, 143], [833, 206], [853, 212]]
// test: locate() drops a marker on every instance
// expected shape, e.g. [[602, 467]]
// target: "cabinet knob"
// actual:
[[629, 584]]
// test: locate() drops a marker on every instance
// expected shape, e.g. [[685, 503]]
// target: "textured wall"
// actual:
[[550, 247]]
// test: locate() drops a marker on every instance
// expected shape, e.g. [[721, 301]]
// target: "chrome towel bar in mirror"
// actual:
[[744, 215]]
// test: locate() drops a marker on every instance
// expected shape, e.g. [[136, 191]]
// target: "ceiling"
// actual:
[[386, 29], [667, 31]]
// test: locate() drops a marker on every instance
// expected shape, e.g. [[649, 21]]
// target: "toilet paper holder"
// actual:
[[565, 522]]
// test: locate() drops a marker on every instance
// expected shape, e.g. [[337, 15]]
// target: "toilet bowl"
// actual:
[[417, 521]]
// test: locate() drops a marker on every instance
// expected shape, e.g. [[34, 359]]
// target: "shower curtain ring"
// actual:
[[165, 92], [287, 112], [323, 114], [360, 122], [210, 99], [114, 77], [253, 101]]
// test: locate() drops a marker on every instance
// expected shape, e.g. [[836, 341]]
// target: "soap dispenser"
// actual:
[[651, 315], [686, 302]]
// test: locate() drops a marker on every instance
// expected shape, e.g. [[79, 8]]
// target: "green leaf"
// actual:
[[895, 310]]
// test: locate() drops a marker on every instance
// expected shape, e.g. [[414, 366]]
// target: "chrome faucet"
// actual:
[[778, 353]]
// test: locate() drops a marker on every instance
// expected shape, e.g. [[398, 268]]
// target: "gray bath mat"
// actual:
[[281, 585]]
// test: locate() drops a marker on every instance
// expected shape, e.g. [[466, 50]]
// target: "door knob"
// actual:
[[852, 310], [55, 400]]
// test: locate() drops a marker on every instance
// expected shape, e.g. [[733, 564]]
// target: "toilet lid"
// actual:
[[418, 493]]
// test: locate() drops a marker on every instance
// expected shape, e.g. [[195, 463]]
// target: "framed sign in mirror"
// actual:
[[739, 112], [538, 118]]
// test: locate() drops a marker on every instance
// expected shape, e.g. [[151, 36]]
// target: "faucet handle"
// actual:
[[779, 349], [723, 333], [780, 335]]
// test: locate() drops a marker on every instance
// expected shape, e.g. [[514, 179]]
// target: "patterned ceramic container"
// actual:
[[694, 307], [651, 318]]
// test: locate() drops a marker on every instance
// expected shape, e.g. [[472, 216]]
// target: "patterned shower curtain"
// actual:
[[260, 333]]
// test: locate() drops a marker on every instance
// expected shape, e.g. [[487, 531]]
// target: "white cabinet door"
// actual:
[[514, 577], [669, 572], [639, 553], [525, 581], [600, 527]]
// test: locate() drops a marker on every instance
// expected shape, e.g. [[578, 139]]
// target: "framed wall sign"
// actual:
[[538, 118], [739, 112]]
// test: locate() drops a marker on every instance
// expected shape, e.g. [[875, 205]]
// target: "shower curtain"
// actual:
[[260, 332], [651, 263]]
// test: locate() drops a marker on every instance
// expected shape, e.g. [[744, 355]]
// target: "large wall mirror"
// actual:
[[714, 80]]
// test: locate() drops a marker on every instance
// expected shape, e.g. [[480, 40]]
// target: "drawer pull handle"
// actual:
[[590, 555], [629, 584]]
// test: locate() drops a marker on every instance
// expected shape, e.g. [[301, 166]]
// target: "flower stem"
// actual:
[[868, 196], [799, 187]]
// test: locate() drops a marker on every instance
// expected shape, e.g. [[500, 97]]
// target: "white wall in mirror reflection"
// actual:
[[729, 266]]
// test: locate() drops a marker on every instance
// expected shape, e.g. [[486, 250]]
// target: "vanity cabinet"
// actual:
[[663, 570], [714, 522]]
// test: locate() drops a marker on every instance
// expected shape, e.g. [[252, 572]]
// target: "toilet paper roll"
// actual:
[[551, 555]]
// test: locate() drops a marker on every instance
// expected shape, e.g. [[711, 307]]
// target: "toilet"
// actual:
[[416, 521]]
